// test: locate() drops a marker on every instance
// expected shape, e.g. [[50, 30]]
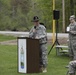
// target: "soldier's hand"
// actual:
[[36, 37], [72, 32], [34, 30]]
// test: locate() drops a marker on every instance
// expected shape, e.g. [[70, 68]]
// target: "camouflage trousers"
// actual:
[[43, 55], [72, 67], [72, 48]]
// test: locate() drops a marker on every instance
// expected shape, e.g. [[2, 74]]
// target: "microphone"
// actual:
[[34, 27]]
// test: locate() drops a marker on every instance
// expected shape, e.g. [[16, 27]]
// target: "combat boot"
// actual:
[[44, 70]]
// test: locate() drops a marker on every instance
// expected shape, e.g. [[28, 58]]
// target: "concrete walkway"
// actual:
[[61, 36], [25, 34]]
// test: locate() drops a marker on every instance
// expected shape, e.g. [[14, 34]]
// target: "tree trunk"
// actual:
[[63, 7]]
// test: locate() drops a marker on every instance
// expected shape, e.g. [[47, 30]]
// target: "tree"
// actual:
[[13, 14], [72, 6]]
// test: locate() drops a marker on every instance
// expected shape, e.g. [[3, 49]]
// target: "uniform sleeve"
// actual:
[[43, 33], [43, 36], [74, 30], [31, 33]]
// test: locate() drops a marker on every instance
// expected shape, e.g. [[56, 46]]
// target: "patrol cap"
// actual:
[[35, 19], [72, 17]]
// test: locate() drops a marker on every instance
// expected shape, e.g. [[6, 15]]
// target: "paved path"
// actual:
[[62, 36], [19, 34], [9, 42]]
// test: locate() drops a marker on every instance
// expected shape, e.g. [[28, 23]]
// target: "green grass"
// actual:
[[8, 62], [5, 38]]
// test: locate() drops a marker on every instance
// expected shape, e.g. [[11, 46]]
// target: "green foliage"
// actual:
[[17, 14], [13, 14], [43, 9]]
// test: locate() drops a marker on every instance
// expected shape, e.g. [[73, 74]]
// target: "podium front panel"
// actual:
[[32, 55]]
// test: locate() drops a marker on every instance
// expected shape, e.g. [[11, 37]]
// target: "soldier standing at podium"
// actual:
[[38, 31]]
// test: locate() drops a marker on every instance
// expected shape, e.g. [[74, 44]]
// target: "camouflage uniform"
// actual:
[[72, 67], [72, 40], [41, 34]]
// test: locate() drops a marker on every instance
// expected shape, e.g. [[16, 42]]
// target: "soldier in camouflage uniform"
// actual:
[[72, 67], [39, 32], [72, 38], [72, 45]]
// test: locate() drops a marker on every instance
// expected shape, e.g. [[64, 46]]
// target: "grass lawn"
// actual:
[[5, 38], [8, 62]]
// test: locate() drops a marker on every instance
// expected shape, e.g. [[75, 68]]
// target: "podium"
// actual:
[[28, 55]]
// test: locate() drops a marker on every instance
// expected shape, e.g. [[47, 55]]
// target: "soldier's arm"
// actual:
[[43, 33], [73, 31], [32, 33]]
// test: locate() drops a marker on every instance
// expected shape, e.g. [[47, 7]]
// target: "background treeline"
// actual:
[[16, 15]]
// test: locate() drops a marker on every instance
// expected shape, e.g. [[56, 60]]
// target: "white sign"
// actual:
[[22, 56]]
